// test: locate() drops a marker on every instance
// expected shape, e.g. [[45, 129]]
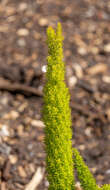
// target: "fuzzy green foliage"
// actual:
[[84, 175], [57, 117], [106, 187]]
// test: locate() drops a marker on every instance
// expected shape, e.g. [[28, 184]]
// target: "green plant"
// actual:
[[84, 175], [106, 187], [57, 117]]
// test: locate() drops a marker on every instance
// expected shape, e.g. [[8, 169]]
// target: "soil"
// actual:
[[23, 52]]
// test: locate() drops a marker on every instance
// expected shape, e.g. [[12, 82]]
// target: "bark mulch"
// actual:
[[23, 54]]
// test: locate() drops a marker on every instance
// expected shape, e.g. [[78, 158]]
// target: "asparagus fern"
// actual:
[[85, 177], [57, 117]]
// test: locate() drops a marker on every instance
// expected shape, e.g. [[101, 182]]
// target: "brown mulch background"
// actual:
[[86, 29]]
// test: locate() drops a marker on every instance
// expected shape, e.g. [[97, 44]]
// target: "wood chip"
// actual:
[[21, 172], [37, 123], [13, 159], [107, 48], [43, 22], [97, 69], [22, 6], [78, 70], [106, 79], [23, 32], [82, 51], [72, 81], [37, 178]]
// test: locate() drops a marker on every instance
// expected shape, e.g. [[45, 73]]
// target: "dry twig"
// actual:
[[16, 87], [37, 178]]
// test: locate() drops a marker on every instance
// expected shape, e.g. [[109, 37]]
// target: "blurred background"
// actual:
[[23, 51]]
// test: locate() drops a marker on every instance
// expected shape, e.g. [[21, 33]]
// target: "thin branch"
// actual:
[[16, 87], [37, 178]]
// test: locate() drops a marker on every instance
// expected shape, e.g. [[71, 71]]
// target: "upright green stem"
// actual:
[[57, 117], [85, 177]]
